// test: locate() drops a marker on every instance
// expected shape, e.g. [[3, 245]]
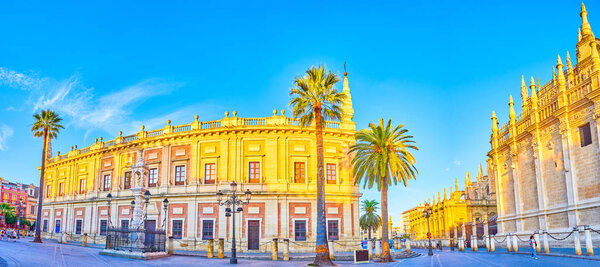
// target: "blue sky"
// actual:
[[438, 67]]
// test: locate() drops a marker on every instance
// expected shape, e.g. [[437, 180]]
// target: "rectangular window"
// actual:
[[299, 172], [585, 135], [209, 173], [125, 224], [127, 180], [332, 230], [331, 173], [153, 177], [45, 228], [48, 189], [177, 229], [78, 224], [300, 230], [82, 186], [254, 170], [106, 182], [180, 175], [207, 229], [103, 227], [61, 189], [57, 226], [32, 210]]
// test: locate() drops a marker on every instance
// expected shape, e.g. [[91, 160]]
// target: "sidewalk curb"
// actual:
[[592, 258]]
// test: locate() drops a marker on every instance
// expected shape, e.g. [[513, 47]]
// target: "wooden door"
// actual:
[[253, 234]]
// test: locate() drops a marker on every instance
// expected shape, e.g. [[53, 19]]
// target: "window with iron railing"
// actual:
[[177, 229]]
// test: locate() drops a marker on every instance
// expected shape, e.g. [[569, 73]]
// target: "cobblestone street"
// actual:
[[50, 253]]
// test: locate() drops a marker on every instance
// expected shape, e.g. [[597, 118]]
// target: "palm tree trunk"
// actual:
[[369, 232], [321, 248], [385, 244], [38, 221]]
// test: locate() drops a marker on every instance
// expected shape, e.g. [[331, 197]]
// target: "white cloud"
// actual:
[[18, 80], [457, 162], [5, 133]]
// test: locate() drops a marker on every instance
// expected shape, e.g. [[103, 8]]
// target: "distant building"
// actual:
[[476, 203], [11, 193]]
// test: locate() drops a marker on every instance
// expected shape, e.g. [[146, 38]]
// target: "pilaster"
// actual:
[[541, 188], [513, 167], [569, 170]]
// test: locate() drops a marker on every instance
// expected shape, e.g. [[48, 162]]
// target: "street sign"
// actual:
[[361, 256]]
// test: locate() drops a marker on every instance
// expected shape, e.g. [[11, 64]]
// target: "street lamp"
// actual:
[[427, 213], [109, 200], [19, 215], [165, 207], [233, 201]]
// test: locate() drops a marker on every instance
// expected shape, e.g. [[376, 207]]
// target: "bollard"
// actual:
[[407, 244], [84, 242], [331, 252], [508, 242], [515, 244], [211, 248], [370, 248], [588, 240], [546, 246], [286, 249], [487, 243], [171, 247], [452, 244], [536, 237], [274, 252], [577, 241], [492, 245], [474, 244], [377, 248], [440, 244], [220, 249]]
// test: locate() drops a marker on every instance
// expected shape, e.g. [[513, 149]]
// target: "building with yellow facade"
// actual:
[[545, 159], [476, 202], [274, 157]]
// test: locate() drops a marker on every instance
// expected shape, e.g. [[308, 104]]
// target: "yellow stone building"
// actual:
[[476, 202], [274, 157], [546, 158]]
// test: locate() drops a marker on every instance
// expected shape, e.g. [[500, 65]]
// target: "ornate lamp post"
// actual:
[[166, 208], [427, 213], [109, 200], [233, 201], [19, 215]]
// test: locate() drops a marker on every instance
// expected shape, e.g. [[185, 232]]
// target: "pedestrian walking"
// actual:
[[533, 245]]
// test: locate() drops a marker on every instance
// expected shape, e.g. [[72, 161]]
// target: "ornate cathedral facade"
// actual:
[[545, 160]]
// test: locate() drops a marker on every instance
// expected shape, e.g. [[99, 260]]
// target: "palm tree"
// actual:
[[315, 99], [6, 210], [383, 156], [47, 125], [370, 220]]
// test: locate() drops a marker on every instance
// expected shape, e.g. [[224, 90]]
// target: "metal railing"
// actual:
[[135, 240]]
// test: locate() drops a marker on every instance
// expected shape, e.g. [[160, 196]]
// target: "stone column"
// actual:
[[377, 248], [474, 243], [508, 242], [546, 245], [407, 245], [221, 248], [211, 248], [514, 164], [576, 240], [274, 251], [515, 243], [588, 241], [485, 234], [492, 244], [331, 250], [286, 249], [462, 238], [536, 237]]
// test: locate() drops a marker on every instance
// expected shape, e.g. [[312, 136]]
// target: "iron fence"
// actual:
[[135, 240]]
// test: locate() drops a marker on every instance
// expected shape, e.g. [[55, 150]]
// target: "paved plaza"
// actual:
[[50, 253]]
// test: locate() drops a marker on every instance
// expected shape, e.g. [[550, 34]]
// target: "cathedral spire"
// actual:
[[553, 76], [347, 109], [579, 35], [586, 29], [479, 172], [569, 65], [561, 74], [445, 197], [534, 98], [467, 180], [511, 113], [494, 123], [524, 94], [456, 183]]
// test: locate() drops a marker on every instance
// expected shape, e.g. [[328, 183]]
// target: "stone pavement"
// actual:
[[50, 253]]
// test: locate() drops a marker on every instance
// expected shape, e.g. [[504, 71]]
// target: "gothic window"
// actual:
[[585, 135]]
